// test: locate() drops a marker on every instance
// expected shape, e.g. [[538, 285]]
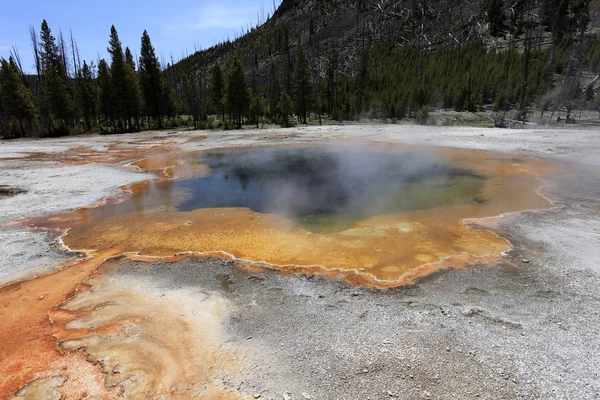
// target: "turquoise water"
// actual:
[[328, 189]]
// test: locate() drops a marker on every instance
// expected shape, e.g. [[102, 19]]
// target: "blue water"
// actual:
[[328, 187]]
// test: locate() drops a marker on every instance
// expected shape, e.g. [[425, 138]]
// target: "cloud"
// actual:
[[221, 16], [214, 15]]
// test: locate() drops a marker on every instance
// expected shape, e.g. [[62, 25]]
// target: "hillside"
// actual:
[[349, 26], [458, 54], [352, 25]]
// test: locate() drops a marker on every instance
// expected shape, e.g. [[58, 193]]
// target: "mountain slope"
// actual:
[[487, 52]]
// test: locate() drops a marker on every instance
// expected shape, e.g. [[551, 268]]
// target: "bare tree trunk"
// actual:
[[36, 54], [528, 35], [75, 69], [506, 74], [573, 90], [470, 104], [63, 52]]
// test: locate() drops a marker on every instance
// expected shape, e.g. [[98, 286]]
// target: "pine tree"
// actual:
[[495, 17], [105, 94], [561, 20], [118, 77], [129, 58], [217, 90], [3, 116], [302, 87], [56, 87], [133, 95], [274, 92], [16, 98], [150, 79], [331, 72], [192, 99], [596, 103], [288, 73], [238, 98], [257, 109], [361, 82], [86, 95], [285, 107], [167, 101]]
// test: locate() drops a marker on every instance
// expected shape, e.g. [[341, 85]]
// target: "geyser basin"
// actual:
[[372, 214]]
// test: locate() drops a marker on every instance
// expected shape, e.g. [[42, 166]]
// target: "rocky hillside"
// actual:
[[381, 56], [347, 26]]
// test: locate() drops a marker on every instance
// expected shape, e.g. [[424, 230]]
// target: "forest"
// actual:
[[513, 60]]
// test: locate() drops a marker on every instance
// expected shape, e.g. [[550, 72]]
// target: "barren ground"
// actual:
[[525, 328]]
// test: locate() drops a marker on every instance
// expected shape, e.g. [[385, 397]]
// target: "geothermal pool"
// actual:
[[370, 214], [326, 191]]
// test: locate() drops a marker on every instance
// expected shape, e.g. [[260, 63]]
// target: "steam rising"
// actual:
[[329, 189]]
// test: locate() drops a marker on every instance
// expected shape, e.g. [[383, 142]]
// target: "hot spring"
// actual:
[[328, 190], [379, 213]]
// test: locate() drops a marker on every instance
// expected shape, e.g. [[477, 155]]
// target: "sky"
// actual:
[[175, 27]]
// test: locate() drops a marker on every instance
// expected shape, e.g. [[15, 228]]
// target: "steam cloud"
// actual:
[[347, 181]]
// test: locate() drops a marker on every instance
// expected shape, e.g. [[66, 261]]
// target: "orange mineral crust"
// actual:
[[27, 349], [115, 153], [151, 341], [384, 248]]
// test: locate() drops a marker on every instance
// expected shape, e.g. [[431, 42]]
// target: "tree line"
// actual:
[[533, 57], [120, 94]]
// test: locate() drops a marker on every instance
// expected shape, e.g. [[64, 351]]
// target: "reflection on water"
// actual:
[[324, 190], [379, 212]]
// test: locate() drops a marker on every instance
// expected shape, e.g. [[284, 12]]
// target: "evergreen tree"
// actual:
[[3, 116], [151, 80], [257, 109], [285, 107], [274, 92], [238, 98], [596, 103], [302, 87], [288, 73], [86, 95], [118, 77], [331, 72], [133, 95], [56, 87], [167, 102], [192, 99], [217, 90], [129, 58], [495, 16], [105, 94], [561, 20], [361, 82], [16, 99]]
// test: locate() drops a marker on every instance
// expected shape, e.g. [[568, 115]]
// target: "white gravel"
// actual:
[[53, 187], [50, 188]]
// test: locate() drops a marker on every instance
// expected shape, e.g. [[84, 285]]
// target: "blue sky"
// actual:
[[173, 26]]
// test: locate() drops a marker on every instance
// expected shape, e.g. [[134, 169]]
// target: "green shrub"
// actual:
[[59, 131], [228, 125], [422, 116], [210, 122]]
